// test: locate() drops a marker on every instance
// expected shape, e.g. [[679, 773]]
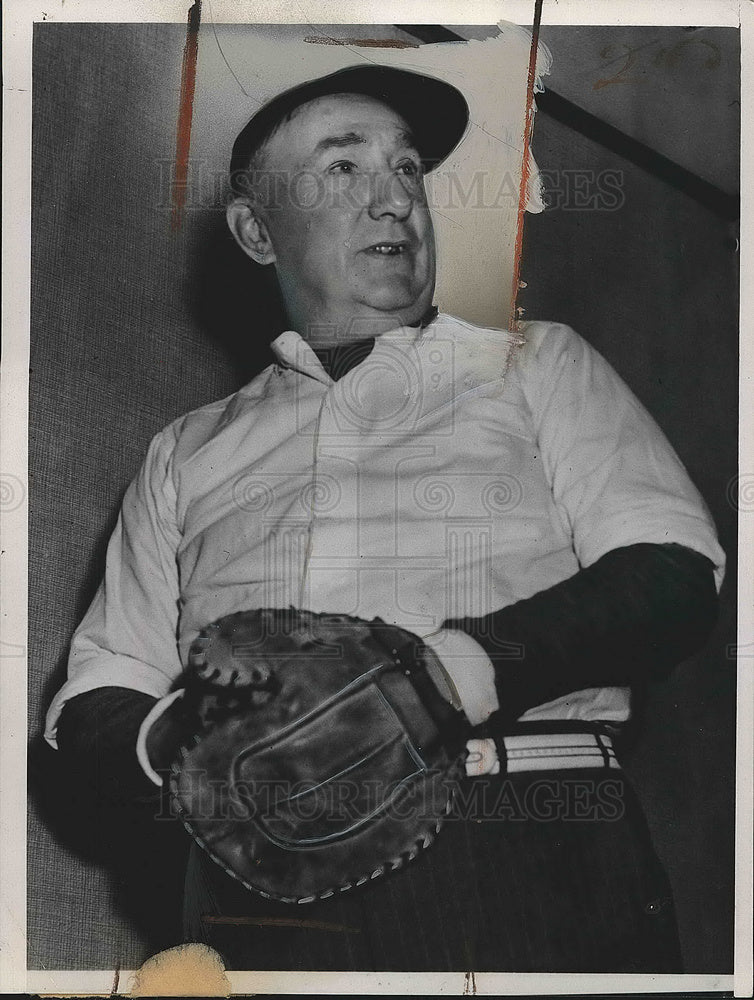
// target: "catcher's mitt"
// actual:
[[321, 754]]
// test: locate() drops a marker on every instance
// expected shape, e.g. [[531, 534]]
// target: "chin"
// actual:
[[404, 303]]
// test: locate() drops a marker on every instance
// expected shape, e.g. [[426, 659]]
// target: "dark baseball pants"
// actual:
[[536, 872]]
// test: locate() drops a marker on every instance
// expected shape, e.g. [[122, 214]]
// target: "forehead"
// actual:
[[334, 117]]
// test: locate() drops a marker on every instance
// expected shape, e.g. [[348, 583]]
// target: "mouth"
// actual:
[[389, 248]]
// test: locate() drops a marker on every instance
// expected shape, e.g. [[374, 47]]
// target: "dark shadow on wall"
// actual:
[[236, 302], [145, 859], [653, 284]]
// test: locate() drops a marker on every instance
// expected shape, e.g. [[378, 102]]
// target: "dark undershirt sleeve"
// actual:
[[97, 738], [630, 617]]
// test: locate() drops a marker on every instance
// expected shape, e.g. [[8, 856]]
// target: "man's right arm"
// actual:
[[97, 733], [124, 655]]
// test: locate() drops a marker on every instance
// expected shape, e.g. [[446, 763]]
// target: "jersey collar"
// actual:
[[292, 351]]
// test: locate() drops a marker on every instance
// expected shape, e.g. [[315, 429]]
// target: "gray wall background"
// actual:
[[133, 324]]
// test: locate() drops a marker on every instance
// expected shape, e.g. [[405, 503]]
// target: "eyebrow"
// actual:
[[356, 139]]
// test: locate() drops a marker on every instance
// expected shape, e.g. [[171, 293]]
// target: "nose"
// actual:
[[389, 195]]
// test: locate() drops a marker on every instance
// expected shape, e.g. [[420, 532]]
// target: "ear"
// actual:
[[250, 231]]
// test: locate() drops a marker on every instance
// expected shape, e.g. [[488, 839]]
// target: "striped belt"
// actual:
[[542, 746], [556, 751]]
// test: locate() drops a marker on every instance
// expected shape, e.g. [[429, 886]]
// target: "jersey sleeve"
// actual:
[[127, 638], [615, 478]]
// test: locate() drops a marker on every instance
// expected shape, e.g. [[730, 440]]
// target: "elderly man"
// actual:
[[502, 495]]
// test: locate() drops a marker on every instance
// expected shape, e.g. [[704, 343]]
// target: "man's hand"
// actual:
[[482, 758], [464, 675]]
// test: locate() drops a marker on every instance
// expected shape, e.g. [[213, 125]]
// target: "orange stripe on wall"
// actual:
[[185, 114]]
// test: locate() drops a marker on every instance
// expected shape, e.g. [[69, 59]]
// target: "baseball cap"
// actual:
[[435, 111]]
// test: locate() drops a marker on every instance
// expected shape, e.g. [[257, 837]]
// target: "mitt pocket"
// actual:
[[323, 777]]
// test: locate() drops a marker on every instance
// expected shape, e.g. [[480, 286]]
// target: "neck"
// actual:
[[341, 358]]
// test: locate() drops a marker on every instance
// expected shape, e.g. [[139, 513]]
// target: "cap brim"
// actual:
[[434, 110]]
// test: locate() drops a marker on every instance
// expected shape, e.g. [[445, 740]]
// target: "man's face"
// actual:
[[347, 218]]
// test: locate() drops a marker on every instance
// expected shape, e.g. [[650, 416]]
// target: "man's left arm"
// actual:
[[645, 597], [630, 617]]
